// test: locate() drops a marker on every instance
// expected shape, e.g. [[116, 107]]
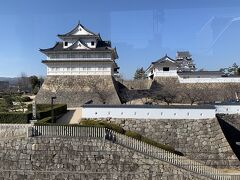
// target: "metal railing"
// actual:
[[134, 144]]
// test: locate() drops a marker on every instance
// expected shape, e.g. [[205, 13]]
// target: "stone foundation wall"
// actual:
[[202, 140], [74, 158], [136, 84], [13, 130], [232, 119], [209, 92], [77, 90]]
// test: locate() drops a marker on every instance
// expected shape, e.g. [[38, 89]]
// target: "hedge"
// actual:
[[132, 134], [45, 110], [44, 121], [105, 124], [15, 117], [21, 118], [26, 99]]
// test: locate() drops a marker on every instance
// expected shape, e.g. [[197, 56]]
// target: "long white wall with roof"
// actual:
[[228, 109], [147, 113], [209, 80]]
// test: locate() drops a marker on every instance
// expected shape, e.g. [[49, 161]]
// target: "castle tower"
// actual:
[[80, 68]]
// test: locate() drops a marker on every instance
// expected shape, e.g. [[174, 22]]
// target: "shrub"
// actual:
[[112, 126], [26, 99], [105, 124], [45, 120], [44, 110], [134, 135], [91, 123], [15, 117], [154, 143]]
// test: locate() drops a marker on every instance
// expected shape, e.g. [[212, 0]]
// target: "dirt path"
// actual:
[[73, 116]]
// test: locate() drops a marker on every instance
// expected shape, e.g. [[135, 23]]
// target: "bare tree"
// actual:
[[192, 94], [21, 103], [167, 92], [24, 82]]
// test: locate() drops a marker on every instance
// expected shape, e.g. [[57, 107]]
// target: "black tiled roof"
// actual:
[[150, 106], [94, 60], [163, 59], [201, 73], [59, 47], [70, 32], [183, 54]]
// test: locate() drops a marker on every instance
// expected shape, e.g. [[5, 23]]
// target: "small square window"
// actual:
[[165, 68], [92, 43], [66, 43]]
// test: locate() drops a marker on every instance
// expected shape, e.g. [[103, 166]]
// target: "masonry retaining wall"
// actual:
[[77, 90], [202, 140], [75, 158], [13, 130]]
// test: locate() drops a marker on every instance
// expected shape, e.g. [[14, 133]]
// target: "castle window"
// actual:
[[66, 43], [165, 68], [92, 43]]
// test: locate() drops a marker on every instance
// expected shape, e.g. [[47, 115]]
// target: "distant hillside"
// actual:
[[11, 81]]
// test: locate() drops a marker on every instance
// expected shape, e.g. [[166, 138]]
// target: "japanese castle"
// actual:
[[80, 69], [81, 52]]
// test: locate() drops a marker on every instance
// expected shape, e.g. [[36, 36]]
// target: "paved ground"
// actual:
[[73, 116]]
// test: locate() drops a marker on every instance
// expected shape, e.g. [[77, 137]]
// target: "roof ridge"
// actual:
[[76, 27]]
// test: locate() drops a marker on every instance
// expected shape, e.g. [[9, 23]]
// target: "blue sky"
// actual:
[[142, 31]]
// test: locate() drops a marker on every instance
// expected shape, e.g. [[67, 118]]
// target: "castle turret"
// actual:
[[80, 69], [81, 52]]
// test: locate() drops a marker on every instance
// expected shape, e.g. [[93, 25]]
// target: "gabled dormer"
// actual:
[[78, 45]]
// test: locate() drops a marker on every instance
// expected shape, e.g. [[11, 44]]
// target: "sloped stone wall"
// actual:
[[77, 90], [201, 92], [74, 158], [202, 140], [136, 84], [209, 92]]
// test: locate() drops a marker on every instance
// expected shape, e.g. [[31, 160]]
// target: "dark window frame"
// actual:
[[166, 69]]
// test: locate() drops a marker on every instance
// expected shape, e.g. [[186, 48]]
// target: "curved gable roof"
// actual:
[[75, 29], [164, 59]]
